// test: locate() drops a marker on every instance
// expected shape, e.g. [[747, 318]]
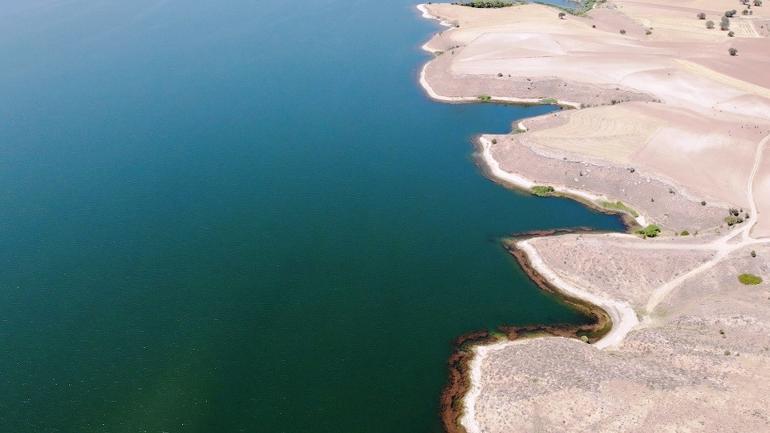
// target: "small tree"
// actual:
[[562, 15], [731, 13], [733, 52], [622, 31], [709, 24], [724, 24], [701, 16], [650, 231], [757, 2], [731, 33]]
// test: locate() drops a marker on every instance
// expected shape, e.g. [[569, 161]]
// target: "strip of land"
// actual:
[[670, 127]]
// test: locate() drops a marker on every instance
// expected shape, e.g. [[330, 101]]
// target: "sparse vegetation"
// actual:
[[650, 231], [549, 101], [562, 15], [487, 4], [730, 13], [753, 253], [733, 51], [619, 206], [709, 24], [622, 31], [757, 2], [542, 190], [701, 16], [485, 98], [749, 279]]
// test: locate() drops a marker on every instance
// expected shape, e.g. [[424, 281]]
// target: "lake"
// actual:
[[244, 216]]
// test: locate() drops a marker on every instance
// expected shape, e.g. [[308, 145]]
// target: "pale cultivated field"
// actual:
[[714, 108]]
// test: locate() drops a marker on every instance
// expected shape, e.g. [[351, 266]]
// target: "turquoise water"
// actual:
[[243, 216]]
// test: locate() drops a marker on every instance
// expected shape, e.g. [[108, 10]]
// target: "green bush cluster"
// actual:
[[650, 231], [749, 279], [542, 190]]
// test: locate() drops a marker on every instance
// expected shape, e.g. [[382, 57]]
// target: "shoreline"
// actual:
[[467, 99], [462, 390], [491, 167], [492, 99], [611, 320]]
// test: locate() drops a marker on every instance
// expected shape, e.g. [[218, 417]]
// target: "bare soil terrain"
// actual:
[[670, 127]]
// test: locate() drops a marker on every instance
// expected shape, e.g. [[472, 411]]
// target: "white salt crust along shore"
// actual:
[[427, 15]]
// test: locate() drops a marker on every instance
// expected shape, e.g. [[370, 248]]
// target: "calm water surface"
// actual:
[[243, 216]]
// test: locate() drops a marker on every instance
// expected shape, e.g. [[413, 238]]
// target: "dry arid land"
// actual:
[[666, 125]]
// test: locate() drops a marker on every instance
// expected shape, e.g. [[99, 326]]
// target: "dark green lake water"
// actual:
[[243, 216]]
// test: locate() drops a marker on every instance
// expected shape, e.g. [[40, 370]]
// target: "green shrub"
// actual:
[[650, 231], [485, 98], [542, 190], [685, 233], [749, 279], [619, 206]]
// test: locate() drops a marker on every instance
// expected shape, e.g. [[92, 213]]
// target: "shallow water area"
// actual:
[[243, 216]]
